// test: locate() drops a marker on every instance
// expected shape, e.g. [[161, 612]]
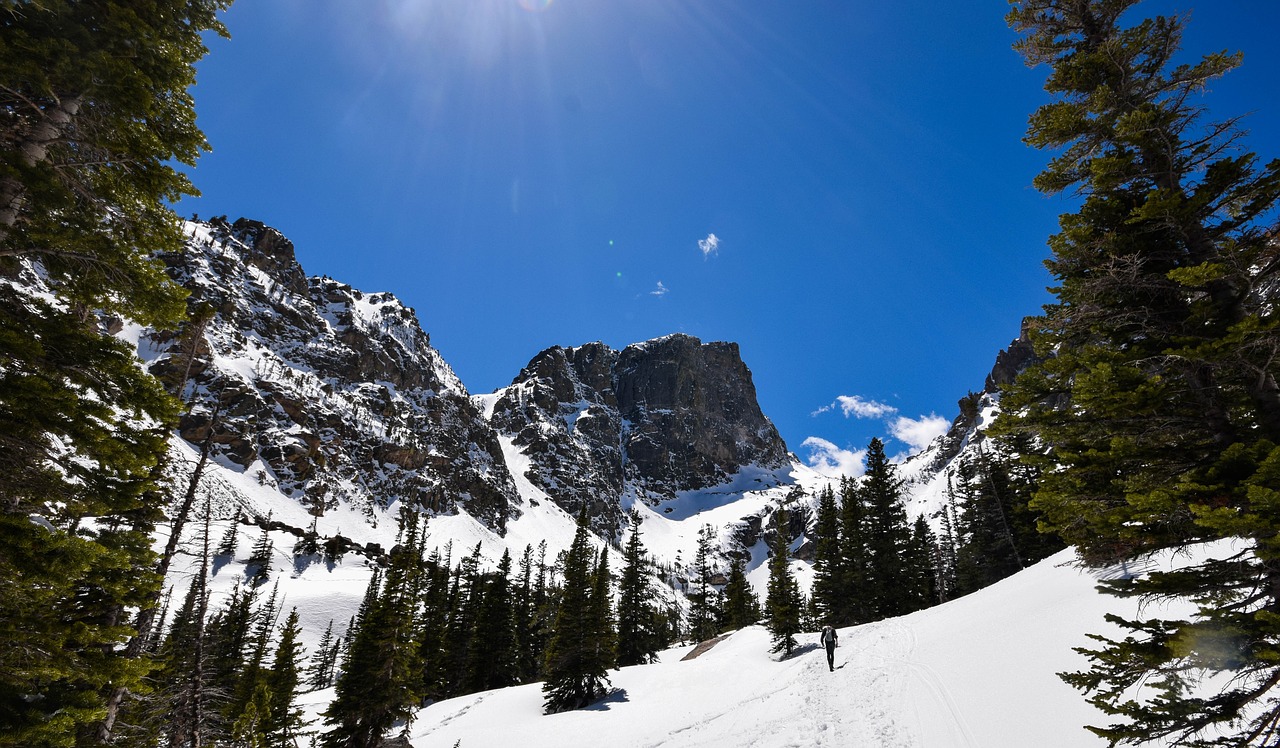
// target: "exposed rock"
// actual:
[[330, 394], [660, 417]]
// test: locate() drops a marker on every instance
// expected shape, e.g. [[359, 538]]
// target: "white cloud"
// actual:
[[661, 290], [918, 433], [853, 406], [832, 461], [709, 246]]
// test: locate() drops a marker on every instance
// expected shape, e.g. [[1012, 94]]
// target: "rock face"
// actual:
[[327, 393], [668, 415]]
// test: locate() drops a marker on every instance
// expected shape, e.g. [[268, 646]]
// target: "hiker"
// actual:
[[829, 639]]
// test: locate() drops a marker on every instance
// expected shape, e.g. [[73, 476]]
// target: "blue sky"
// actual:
[[839, 187]]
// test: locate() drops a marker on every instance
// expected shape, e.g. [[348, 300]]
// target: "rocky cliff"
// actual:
[[329, 394], [647, 422]]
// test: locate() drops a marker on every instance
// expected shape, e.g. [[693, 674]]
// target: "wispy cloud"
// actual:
[[918, 433], [661, 290], [853, 406], [709, 246], [832, 461]]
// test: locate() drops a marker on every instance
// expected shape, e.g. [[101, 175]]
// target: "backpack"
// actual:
[[828, 634]]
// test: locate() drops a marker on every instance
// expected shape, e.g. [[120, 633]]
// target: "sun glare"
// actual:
[[534, 6]]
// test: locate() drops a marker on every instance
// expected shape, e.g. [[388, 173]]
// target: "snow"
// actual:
[[978, 672]]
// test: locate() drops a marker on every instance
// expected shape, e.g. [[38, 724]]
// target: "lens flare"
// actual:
[[534, 6]]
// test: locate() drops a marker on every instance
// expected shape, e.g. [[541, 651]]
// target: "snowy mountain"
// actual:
[[603, 429], [323, 406], [929, 472]]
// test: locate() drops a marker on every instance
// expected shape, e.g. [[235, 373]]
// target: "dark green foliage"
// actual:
[[284, 720], [887, 536], [492, 651], [94, 114], [76, 512], [380, 679], [784, 605], [830, 592], [703, 600], [258, 565], [856, 598], [639, 637], [324, 662], [741, 607], [576, 663], [87, 172], [1156, 406]]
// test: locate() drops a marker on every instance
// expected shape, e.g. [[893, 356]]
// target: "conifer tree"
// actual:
[[258, 565], [702, 601], [638, 635], [741, 607], [85, 179], [921, 571], [284, 719], [493, 659], [319, 673], [856, 592], [829, 587], [783, 604], [1156, 406], [380, 677], [887, 535], [576, 674]]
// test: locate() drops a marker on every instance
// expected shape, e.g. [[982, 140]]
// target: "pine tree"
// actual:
[[920, 563], [493, 657], [887, 535], [87, 174], [829, 589], [284, 719], [741, 607], [702, 602], [1156, 407], [258, 565], [379, 681], [855, 567], [783, 604], [319, 673], [638, 636], [576, 674], [602, 621]]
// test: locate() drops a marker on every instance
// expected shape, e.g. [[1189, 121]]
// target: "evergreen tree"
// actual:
[[702, 601], [85, 176], [887, 535], [920, 563], [855, 568], [258, 565], [638, 636], [602, 619], [379, 681], [1156, 406], [319, 673], [741, 607], [783, 604], [493, 657], [576, 671], [284, 720], [829, 588]]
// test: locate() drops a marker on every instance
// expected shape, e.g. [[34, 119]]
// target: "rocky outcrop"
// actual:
[[969, 426], [327, 393], [657, 418]]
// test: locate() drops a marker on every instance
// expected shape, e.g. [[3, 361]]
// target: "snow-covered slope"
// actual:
[[978, 672]]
